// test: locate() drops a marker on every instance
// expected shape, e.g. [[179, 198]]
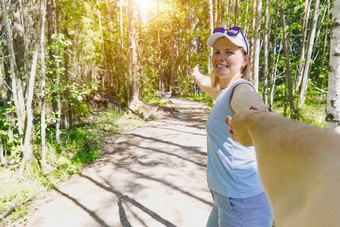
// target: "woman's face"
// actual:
[[228, 59]]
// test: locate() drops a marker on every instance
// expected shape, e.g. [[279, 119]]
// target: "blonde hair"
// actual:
[[245, 75]]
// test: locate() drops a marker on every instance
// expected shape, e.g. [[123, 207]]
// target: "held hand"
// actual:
[[194, 71], [238, 125]]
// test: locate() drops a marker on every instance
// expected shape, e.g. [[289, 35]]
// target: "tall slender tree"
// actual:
[[256, 49], [160, 68], [124, 76], [134, 63], [43, 90], [17, 98], [27, 147], [333, 98], [307, 64], [304, 29], [266, 33], [286, 53], [106, 80]]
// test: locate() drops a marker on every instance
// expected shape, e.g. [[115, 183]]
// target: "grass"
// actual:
[[313, 112], [201, 97], [80, 147]]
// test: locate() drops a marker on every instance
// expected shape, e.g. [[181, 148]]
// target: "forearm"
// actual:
[[292, 146], [204, 82]]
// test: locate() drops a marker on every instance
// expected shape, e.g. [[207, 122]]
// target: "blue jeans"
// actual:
[[247, 212]]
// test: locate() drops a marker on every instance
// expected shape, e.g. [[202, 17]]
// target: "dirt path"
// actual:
[[154, 175]]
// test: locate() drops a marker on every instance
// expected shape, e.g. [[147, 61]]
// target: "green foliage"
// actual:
[[80, 146], [201, 97]]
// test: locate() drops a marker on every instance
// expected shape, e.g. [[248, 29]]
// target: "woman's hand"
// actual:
[[194, 71]]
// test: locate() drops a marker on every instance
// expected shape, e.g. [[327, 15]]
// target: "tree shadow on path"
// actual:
[[126, 198]]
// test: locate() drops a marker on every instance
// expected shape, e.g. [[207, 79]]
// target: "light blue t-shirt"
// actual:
[[232, 168]]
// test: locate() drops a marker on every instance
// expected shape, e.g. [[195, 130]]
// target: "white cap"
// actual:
[[238, 40]]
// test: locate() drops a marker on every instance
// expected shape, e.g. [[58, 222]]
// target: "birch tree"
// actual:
[[17, 98], [308, 55], [286, 53], [211, 28], [135, 91], [333, 98], [27, 147], [106, 75], [265, 52], [303, 44], [274, 58], [256, 49], [160, 68], [43, 88], [125, 81]]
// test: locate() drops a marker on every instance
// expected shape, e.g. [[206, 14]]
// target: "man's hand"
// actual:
[[238, 125]]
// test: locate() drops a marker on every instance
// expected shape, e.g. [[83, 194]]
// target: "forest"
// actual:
[[63, 59]]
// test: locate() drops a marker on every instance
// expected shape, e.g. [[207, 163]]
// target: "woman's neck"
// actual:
[[224, 83]]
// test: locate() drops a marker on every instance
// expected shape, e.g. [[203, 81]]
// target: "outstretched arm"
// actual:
[[298, 163], [204, 82]]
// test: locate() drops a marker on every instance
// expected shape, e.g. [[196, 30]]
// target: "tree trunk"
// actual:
[[135, 90], [18, 39], [286, 52], [3, 99], [323, 43], [211, 25], [160, 73], [236, 12], [18, 35], [326, 38], [333, 98], [141, 51], [266, 33], [56, 96], [246, 20], [27, 148], [3, 89], [303, 45], [256, 49], [2, 158], [125, 81], [106, 75], [128, 52], [51, 30], [43, 95], [172, 53], [274, 61], [19, 110], [252, 41], [309, 55], [216, 11]]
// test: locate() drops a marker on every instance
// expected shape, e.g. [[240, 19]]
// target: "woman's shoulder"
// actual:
[[243, 85]]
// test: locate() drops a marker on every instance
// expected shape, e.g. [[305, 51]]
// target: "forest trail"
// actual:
[[154, 175]]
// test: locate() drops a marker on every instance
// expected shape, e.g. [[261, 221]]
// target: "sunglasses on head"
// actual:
[[232, 32]]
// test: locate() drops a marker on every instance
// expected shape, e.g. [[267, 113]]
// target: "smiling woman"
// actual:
[[235, 186]]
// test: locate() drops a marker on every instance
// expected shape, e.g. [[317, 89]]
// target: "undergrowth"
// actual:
[[80, 146], [313, 112]]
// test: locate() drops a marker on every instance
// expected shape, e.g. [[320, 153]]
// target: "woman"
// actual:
[[239, 199]]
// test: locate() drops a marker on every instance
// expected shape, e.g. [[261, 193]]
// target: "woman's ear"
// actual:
[[245, 60]]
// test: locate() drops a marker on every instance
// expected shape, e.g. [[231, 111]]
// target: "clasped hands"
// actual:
[[240, 123]]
